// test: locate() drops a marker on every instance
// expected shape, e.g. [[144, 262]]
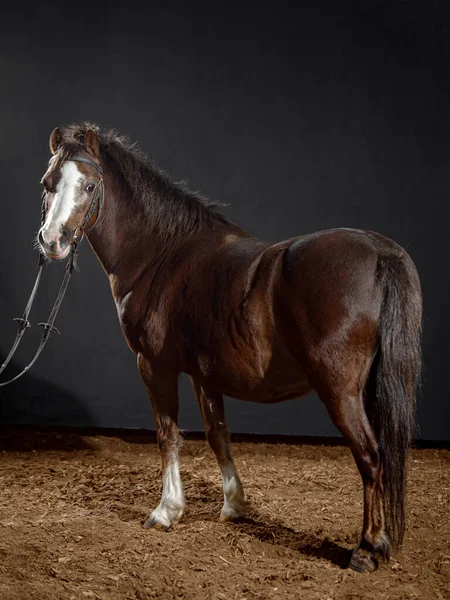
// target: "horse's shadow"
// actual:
[[307, 543], [273, 531]]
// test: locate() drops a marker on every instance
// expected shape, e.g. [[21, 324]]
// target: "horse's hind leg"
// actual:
[[216, 430], [163, 391], [346, 408]]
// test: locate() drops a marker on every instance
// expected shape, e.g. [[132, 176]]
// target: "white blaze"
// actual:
[[64, 201]]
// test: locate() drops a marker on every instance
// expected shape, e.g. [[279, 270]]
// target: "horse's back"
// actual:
[[340, 263]]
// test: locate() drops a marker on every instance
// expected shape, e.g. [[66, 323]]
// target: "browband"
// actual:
[[88, 161]]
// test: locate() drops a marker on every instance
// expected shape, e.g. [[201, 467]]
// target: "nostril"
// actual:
[[41, 238], [65, 233], [51, 246], [45, 237]]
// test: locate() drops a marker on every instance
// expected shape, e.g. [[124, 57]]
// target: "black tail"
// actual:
[[397, 369]]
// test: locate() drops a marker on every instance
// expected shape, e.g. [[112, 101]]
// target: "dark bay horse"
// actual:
[[337, 311]]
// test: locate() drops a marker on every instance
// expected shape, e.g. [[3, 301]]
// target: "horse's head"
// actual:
[[73, 193]]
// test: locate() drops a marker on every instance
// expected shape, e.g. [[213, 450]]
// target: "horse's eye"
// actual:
[[90, 188]]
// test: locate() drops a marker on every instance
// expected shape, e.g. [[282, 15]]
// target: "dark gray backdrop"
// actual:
[[325, 117]]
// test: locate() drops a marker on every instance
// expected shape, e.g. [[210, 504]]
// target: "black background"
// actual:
[[336, 115]]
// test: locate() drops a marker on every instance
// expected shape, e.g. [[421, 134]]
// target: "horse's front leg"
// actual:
[[216, 430], [162, 388]]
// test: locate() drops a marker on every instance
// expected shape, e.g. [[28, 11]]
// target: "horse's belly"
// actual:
[[270, 394], [277, 383]]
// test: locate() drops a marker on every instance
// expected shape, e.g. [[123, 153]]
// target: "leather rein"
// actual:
[[72, 264]]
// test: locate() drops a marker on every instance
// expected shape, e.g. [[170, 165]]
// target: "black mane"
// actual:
[[167, 206]]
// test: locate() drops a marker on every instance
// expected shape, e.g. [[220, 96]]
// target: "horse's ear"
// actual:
[[55, 140], [91, 144]]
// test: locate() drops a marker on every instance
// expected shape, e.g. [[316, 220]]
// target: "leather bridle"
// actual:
[[48, 326], [96, 203]]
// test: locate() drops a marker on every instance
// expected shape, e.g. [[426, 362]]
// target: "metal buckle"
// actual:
[[49, 327]]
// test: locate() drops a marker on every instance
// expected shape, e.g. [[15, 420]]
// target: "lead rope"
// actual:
[[48, 326], [23, 321]]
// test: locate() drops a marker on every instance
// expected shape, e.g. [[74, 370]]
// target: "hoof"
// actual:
[[152, 523], [362, 561], [233, 513], [229, 518], [163, 518]]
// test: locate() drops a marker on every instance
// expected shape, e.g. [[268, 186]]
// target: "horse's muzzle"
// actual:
[[55, 244]]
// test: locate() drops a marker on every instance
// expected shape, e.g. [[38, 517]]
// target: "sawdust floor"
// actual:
[[72, 508]]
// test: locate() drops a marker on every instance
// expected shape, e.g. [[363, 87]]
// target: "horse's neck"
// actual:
[[119, 236], [124, 244]]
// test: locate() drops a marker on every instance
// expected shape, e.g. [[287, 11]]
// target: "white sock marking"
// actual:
[[234, 504], [170, 509]]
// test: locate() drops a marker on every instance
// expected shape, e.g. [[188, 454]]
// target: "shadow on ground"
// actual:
[[308, 544], [204, 500]]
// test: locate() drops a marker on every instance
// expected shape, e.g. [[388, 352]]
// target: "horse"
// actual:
[[337, 311]]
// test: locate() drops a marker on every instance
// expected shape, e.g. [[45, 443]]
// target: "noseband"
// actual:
[[23, 322]]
